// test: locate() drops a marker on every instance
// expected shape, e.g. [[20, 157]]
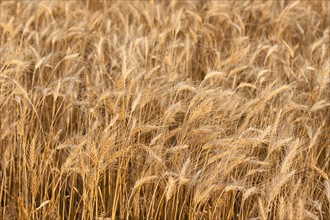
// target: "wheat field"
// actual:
[[165, 110]]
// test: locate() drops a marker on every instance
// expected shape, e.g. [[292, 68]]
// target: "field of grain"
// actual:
[[165, 110]]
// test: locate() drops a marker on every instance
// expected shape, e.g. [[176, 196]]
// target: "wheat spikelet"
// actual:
[[153, 155], [286, 164], [182, 175], [183, 87], [278, 183], [140, 182], [5, 158], [247, 193], [320, 172], [155, 139], [270, 51], [276, 91], [233, 188], [314, 138], [243, 85], [170, 188], [169, 115], [295, 189], [281, 208], [33, 183], [136, 102], [262, 210], [201, 196], [118, 154], [177, 148], [69, 163], [211, 75], [201, 111]]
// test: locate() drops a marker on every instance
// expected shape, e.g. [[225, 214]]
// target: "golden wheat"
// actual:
[[164, 110]]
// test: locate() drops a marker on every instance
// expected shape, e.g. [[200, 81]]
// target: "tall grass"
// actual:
[[164, 110]]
